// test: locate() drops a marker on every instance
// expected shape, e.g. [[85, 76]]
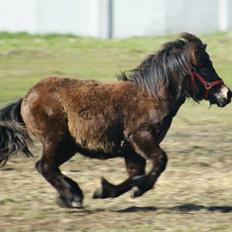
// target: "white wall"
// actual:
[[198, 16], [64, 16], [16, 15], [229, 15], [139, 17], [80, 17], [130, 17], [148, 17]]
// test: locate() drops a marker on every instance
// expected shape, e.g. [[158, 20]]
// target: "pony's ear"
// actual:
[[195, 47], [190, 38], [194, 54]]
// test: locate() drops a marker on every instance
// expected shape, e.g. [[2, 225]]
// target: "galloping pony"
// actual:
[[128, 118]]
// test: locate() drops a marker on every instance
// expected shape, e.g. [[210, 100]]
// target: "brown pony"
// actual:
[[128, 118]]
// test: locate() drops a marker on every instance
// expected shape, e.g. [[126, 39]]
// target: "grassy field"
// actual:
[[194, 193]]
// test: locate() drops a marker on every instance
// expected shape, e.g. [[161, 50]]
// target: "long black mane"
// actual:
[[163, 73]]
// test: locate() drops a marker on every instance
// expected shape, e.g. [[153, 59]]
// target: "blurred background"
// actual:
[[115, 18], [97, 39]]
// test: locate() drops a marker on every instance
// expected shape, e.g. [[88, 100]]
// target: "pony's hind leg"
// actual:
[[55, 154], [135, 166]]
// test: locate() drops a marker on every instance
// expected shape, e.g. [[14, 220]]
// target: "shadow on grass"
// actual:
[[185, 208], [131, 209], [136, 209], [6, 169], [194, 207]]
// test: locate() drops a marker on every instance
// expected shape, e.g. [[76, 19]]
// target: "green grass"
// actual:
[[25, 59]]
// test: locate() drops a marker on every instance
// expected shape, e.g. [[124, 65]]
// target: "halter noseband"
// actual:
[[207, 85]]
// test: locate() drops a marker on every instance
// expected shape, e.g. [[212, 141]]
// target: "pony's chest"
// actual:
[[161, 129], [162, 123]]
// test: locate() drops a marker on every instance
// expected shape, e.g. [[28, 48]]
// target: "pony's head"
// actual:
[[202, 80], [182, 68]]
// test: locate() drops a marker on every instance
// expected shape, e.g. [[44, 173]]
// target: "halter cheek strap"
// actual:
[[207, 85]]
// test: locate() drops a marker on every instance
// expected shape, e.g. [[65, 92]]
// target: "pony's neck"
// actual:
[[172, 103], [176, 106]]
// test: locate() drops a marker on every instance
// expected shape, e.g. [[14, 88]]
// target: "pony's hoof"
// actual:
[[136, 192], [63, 203], [76, 204], [98, 194], [106, 190]]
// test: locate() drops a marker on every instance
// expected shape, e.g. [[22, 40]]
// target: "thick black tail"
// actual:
[[13, 134]]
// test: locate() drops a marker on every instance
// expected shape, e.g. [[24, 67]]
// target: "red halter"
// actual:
[[207, 85]]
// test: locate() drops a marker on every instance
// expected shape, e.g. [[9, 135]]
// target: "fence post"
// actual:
[[223, 15], [110, 19]]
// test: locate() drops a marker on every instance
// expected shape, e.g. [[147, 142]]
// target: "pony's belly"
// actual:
[[96, 144], [96, 136], [97, 154]]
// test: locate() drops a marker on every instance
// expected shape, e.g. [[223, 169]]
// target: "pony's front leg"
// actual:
[[145, 145], [146, 182]]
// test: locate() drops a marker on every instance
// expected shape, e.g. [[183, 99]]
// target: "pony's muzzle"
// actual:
[[223, 96]]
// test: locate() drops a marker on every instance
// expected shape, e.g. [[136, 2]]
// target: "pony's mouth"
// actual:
[[223, 102], [220, 102], [221, 97]]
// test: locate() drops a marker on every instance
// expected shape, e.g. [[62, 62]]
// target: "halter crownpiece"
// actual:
[[207, 85]]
